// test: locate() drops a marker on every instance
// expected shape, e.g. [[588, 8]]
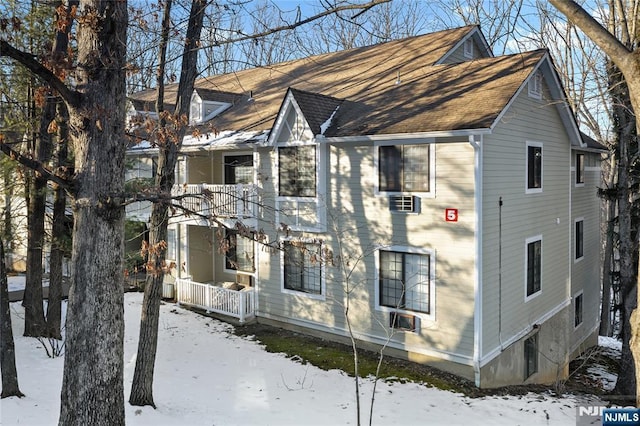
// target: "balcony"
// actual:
[[238, 201]]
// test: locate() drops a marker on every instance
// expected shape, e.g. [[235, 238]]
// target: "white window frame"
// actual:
[[468, 48], [578, 171], [575, 236], [535, 85], [237, 154], [323, 283], [526, 265], [431, 316], [432, 170], [526, 167], [579, 294], [238, 271], [298, 144]]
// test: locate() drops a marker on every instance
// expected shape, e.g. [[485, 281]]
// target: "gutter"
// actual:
[[476, 142]]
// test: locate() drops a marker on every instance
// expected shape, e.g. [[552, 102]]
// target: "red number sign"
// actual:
[[451, 215]]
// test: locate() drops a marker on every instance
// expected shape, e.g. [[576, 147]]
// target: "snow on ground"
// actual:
[[206, 375]]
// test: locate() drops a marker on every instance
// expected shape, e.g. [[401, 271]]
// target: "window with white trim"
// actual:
[[468, 48], [535, 85], [302, 267], [404, 168], [579, 168], [238, 169], [579, 239], [297, 171], [533, 263], [534, 167], [239, 252], [405, 281]]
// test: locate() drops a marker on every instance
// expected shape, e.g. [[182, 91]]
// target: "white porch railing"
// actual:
[[238, 200], [234, 303]]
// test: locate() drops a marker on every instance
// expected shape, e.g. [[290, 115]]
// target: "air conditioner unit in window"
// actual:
[[404, 203], [404, 322]]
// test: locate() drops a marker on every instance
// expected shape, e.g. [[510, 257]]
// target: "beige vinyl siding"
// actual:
[[360, 221], [586, 274], [505, 312]]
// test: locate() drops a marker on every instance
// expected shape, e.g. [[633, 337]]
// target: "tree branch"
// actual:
[[360, 7], [32, 164], [27, 60], [612, 47]]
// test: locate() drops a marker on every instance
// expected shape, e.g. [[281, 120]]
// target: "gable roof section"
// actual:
[[317, 109], [476, 35]]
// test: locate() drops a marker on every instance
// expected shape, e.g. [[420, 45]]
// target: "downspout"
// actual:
[[476, 142]]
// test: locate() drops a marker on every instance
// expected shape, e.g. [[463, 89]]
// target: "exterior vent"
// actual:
[[404, 203], [403, 322]]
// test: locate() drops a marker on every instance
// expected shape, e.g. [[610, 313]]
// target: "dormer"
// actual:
[[472, 46], [203, 109]]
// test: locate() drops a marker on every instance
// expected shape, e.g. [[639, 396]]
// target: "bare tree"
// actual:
[[92, 390], [623, 50]]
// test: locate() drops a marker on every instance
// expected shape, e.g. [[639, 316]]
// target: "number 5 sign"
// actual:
[[451, 215]]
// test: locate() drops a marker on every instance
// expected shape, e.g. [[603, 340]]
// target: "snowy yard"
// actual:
[[206, 375]]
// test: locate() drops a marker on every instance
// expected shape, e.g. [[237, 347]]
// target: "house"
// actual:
[[445, 194]]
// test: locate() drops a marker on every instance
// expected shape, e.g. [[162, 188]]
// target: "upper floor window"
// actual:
[[579, 239], [238, 169], [297, 171], [533, 262], [579, 168], [302, 267], [239, 255], [405, 281], [468, 48], [404, 168], [534, 167], [535, 85]]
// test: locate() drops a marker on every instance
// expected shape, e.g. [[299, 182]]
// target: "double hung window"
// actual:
[[297, 171], [302, 267], [404, 168], [405, 281]]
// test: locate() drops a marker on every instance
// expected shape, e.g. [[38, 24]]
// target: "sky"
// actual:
[[206, 375]]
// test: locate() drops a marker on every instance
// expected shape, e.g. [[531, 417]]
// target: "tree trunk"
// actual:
[[142, 386], [58, 235], [7, 350], [34, 321], [92, 387]]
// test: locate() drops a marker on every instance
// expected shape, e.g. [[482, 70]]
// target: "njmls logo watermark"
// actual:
[[602, 415]]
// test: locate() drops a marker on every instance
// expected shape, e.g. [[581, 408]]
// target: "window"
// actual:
[[535, 86], [579, 168], [404, 168], [531, 356], [239, 254], [238, 169], [577, 310], [579, 239], [534, 266], [468, 48], [405, 280], [302, 267], [297, 171], [534, 167], [172, 243]]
